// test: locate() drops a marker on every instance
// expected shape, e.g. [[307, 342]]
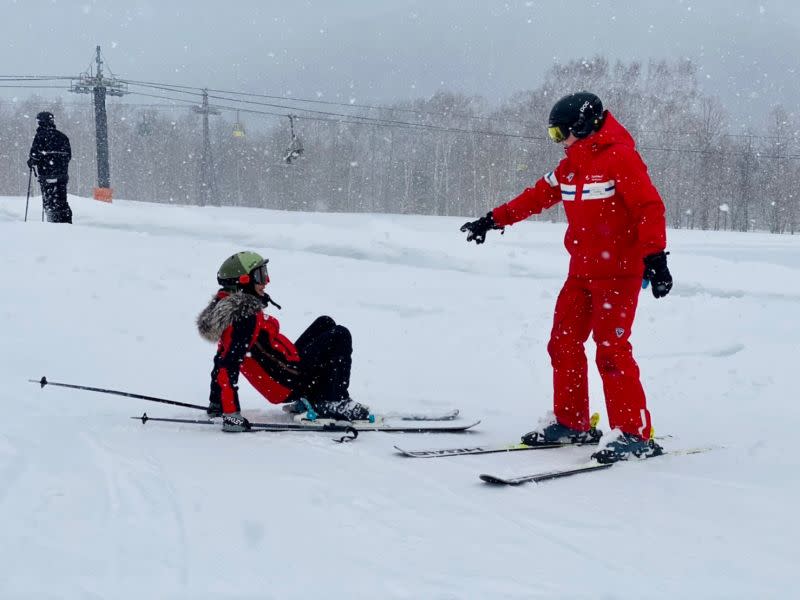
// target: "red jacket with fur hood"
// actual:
[[250, 342]]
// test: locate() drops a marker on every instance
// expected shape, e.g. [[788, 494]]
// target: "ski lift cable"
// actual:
[[516, 136], [371, 106], [409, 110], [190, 90], [349, 119], [313, 111], [183, 89], [332, 103], [35, 87], [721, 153], [346, 117], [375, 120], [33, 77]]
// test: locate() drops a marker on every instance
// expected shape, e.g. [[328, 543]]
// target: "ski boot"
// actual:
[[556, 433], [346, 409], [301, 410], [235, 423], [623, 446], [296, 407]]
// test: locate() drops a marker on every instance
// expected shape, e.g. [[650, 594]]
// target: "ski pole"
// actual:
[[43, 382], [28, 198]]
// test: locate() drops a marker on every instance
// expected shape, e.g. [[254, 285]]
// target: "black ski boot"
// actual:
[[626, 446], [344, 410], [556, 433]]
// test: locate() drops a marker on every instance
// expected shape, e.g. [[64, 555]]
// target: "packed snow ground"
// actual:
[[96, 505]]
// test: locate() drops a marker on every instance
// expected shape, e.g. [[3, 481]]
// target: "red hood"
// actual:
[[612, 132]]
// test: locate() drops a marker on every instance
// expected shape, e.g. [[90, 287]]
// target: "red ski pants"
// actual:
[[605, 308]]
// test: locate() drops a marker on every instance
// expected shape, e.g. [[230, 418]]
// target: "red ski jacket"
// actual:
[[614, 213], [250, 342]]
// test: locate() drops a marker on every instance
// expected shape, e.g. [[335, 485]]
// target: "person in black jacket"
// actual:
[[49, 156]]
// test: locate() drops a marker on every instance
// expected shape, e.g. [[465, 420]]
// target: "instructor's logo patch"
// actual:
[[619, 331]]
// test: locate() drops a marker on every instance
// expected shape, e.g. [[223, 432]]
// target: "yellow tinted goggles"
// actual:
[[558, 133]]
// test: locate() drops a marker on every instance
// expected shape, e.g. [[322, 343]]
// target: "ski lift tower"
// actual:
[[100, 86], [207, 192]]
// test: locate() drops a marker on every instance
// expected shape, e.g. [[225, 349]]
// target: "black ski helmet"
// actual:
[[580, 113], [241, 270], [46, 118]]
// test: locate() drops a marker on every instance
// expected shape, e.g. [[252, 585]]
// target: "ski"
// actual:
[[465, 451], [499, 449], [588, 467], [350, 433], [444, 416], [505, 448], [544, 476], [327, 425], [402, 416]]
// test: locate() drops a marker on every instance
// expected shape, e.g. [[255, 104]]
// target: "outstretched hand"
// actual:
[[476, 230]]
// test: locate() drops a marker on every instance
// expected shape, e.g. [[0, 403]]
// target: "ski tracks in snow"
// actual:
[[138, 491]]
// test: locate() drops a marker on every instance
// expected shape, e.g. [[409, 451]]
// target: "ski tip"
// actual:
[[401, 451], [494, 480]]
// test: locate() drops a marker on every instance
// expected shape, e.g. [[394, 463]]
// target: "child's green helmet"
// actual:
[[241, 269]]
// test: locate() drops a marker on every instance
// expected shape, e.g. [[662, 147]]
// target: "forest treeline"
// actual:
[[461, 157]]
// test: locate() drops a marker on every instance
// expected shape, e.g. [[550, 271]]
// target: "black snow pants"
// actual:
[[54, 200], [326, 356]]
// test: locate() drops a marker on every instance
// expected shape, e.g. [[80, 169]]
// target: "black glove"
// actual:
[[477, 229], [235, 423], [657, 273], [30, 163]]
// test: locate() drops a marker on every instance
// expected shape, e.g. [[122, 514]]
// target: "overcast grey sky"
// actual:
[[378, 51]]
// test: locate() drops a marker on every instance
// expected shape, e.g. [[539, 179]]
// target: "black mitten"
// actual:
[[657, 273], [477, 229]]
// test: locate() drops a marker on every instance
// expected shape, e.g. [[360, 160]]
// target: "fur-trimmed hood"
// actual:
[[223, 310]]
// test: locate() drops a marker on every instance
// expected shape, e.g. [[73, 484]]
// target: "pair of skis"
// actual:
[[588, 467], [379, 423], [351, 430]]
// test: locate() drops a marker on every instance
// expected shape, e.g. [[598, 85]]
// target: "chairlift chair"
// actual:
[[295, 148], [238, 128]]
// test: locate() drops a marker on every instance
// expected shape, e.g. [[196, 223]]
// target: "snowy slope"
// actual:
[[95, 505]]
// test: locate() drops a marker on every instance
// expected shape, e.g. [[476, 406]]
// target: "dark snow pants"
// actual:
[[326, 356], [54, 200]]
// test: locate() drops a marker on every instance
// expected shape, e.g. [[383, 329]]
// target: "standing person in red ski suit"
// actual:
[[313, 372], [616, 236]]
